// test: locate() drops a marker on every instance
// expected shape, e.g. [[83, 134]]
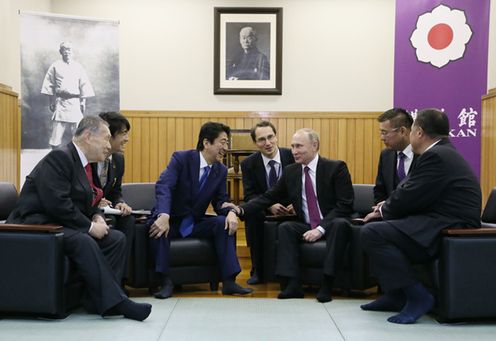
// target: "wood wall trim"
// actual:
[[250, 114]]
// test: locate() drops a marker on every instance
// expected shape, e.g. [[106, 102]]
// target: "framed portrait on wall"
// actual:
[[248, 50]]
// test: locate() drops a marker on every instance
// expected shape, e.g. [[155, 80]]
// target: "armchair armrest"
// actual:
[[455, 232], [280, 217], [30, 228]]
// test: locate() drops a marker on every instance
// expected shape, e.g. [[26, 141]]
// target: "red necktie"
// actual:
[[97, 192], [313, 209]]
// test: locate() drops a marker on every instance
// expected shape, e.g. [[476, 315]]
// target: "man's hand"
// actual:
[[372, 216], [104, 202], [99, 228], [279, 210], [82, 105], [291, 209], [231, 223], [312, 235], [124, 208], [228, 205], [160, 227], [377, 207]]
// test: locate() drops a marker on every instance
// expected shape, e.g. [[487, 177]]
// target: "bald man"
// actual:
[[250, 63]]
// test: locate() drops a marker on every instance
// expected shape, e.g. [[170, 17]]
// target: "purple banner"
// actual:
[[441, 50]]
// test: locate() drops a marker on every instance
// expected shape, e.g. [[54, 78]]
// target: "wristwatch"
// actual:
[[234, 211]]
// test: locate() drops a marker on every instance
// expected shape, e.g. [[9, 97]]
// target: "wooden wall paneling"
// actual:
[[351, 137], [10, 142], [488, 144]]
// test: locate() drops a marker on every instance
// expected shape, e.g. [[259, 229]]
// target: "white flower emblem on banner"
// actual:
[[441, 36]]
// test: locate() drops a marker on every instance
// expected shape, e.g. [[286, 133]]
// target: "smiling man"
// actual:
[[260, 172], [108, 175], [192, 180], [321, 195]]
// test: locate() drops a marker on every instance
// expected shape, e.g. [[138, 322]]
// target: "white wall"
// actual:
[[337, 54]]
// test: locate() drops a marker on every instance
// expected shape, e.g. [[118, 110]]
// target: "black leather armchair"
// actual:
[[463, 279], [193, 260], [355, 275], [36, 277]]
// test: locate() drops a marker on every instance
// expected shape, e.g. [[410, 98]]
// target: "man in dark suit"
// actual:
[[321, 193], [192, 180], [108, 175], [60, 191], [261, 171], [398, 158], [441, 191]]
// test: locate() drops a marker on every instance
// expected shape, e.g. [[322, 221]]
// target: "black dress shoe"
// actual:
[[286, 294], [255, 279], [231, 288]]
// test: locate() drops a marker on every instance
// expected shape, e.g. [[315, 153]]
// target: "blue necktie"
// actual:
[[272, 173], [187, 223]]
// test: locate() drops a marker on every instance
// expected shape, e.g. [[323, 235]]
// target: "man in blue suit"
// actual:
[[192, 180]]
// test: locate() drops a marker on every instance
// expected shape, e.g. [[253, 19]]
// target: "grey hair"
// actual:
[[312, 135], [91, 123]]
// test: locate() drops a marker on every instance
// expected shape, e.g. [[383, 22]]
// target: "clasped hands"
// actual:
[[99, 227], [375, 214]]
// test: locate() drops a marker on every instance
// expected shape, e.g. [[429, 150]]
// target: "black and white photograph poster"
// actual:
[[248, 50], [69, 69]]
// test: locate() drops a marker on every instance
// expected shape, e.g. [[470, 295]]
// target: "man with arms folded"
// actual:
[[261, 171], [321, 193], [60, 190], [192, 180], [441, 191]]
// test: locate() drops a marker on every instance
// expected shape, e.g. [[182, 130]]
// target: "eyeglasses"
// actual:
[[388, 132], [269, 138]]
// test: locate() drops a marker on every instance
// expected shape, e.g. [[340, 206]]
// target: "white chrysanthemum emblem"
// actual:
[[441, 36]]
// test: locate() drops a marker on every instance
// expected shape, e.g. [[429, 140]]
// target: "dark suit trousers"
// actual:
[[209, 227], [288, 251], [391, 255], [101, 264], [255, 239], [127, 226]]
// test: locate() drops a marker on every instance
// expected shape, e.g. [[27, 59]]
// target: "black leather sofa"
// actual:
[[193, 260], [35, 276], [354, 278]]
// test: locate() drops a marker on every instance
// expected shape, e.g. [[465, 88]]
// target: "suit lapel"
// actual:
[[319, 174], [81, 175], [111, 175], [194, 169], [298, 189]]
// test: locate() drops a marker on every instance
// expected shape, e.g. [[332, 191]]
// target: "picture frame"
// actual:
[[248, 50]]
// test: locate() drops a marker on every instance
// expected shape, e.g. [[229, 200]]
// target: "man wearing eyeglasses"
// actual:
[[398, 158], [260, 172]]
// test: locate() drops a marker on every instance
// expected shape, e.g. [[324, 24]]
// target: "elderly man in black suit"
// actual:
[[261, 171], [60, 190], [441, 191], [321, 193], [108, 175], [397, 159]]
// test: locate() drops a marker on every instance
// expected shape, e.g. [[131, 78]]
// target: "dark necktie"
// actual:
[[272, 173], [187, 223], [97, 191], [104, 172], [313, 209], [401, 166]]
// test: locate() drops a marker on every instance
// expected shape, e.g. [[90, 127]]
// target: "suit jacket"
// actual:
[[255, 176], [113, 188], [334, 191], [441, 191], [177, 189], [57, 192], [387, 177]]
